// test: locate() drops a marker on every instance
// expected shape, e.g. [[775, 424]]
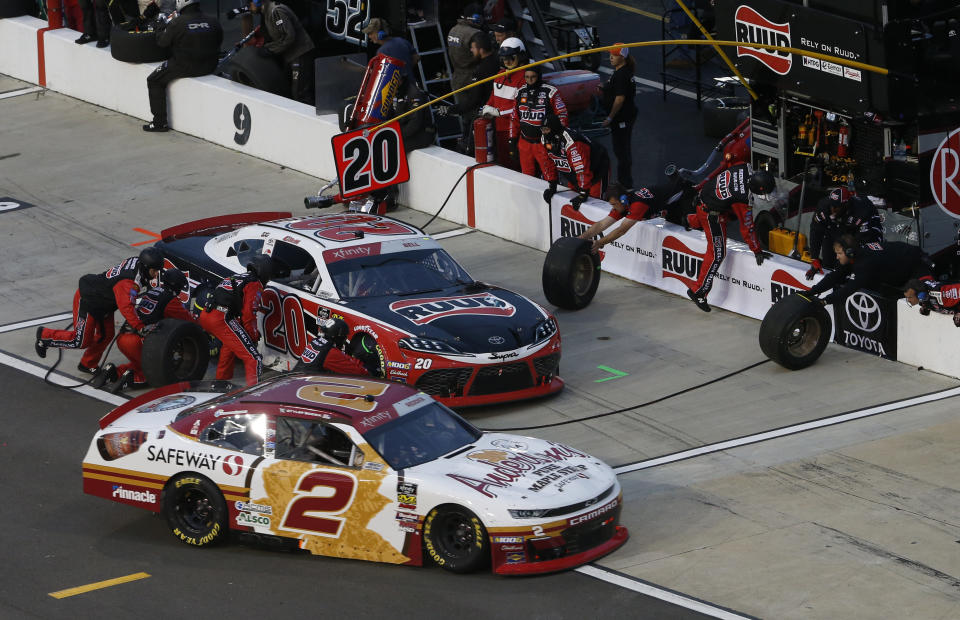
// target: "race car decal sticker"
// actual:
[[342, 392], [407, 495], [168, 402], [508, 467], [354, 251], [181, 458], [350, 226], [423, 311]]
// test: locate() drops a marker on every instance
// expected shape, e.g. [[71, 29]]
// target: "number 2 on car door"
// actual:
[[319, 496]]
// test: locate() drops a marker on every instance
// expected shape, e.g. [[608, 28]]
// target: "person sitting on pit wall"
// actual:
[[940, 297], [286, 37], [871, 266], [841, 213], [378, 32], [631, 206]]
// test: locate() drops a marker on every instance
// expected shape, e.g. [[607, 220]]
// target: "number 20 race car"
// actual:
[[433, 326], [356, 468]]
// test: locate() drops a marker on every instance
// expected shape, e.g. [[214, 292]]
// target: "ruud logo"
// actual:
[[681, 262], [573, 224], [242, 121], [752, 27], [422, 311], [782, 284], [863, 312]]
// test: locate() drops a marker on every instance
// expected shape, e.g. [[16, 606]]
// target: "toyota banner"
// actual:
[[867, 321]]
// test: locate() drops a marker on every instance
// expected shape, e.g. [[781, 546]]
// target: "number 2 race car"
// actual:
[[431, 324], [355, 468]]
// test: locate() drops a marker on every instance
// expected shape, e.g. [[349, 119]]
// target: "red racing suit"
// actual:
[[232, 317], [502, 97], [638, 205], [529, 112], [321, 356], [723, 197], [576, 157], [157, 303], [98, 296]]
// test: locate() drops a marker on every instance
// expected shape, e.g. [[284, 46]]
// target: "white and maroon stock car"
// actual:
[[461, 341], [355, 468]]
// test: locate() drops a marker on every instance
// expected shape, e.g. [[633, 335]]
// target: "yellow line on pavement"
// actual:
[[98, 585], [626, 7]]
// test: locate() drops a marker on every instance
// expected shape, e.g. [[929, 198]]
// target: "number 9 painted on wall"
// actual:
[[370, 160]]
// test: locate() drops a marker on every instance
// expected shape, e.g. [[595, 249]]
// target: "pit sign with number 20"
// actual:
[[368, 160]]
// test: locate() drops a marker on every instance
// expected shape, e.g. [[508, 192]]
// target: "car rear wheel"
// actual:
[[571, 273], [176, 351], [795, 331], [456, 539], [195, 510]]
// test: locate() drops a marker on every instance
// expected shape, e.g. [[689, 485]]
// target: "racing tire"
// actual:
[[195, 510], [16, 8], [795, 331], [176, 351], [721, 115], [249, 68], [765, 222], [136, 47], [571, 273], [455, 539], [364, 347]]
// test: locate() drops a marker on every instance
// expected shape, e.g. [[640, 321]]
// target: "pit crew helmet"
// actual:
[[512, 46], [262, 266], [839, 198], [335, 330], [150, 258], [182, 4], [173, 279], [761, 182]]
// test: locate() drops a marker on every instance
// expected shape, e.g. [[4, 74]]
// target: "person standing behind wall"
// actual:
[[378, 32], [500, 105], [286, 37], [617, 98], [462, 60]]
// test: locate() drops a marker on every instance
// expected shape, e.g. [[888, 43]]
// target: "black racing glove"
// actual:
[[578, 200], [550, 191], [925, 310], [815, 268], [760, 255]]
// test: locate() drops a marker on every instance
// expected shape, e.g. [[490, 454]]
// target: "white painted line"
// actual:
[[22, 91], [454, 233], [60, 379], [41, 321], [664, 595], [658, 85], [787, 430]]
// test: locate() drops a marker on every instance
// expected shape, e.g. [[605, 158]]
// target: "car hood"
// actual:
[[472, 319], [521, 471]]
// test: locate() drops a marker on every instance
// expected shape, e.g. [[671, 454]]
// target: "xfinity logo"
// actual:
[[363, 250], [863, 312], [751, 27]]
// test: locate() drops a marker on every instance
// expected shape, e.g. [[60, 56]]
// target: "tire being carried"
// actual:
[[195, 510], [795, 331], [129, 46], [176, 351], [571, 273], [456, 539]]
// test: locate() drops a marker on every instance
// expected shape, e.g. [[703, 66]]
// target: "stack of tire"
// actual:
[[136, 46]]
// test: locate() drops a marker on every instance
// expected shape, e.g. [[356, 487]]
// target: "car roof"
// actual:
[[337, 230]]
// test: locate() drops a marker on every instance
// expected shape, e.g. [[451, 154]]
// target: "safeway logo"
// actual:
[[945, 174], [422, 311], [782, 284], [752, 27], [681, 262]]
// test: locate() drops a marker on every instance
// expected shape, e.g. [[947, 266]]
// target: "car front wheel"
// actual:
[[195, 510], [456, 539]]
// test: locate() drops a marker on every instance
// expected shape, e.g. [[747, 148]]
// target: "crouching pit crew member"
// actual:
[[838, 214], [325, 353], [583, 165], [159, 302], [943, 298], [98, 296], [631, 206], [725, 196], [231, 316], [870, 267]]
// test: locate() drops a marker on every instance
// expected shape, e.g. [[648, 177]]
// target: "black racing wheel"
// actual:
[[195, 510], [571, 273], [456, 539], [795, 331]]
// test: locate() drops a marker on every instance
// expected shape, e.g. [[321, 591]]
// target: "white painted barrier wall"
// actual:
[[510, 205], [18, 47], [433, 171], [931, 341]]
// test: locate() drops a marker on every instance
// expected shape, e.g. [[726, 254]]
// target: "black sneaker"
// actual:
[[107, 372], [103, 42], [87, 369], [40, 346], [156, 127], [84, 39], [700, 301]]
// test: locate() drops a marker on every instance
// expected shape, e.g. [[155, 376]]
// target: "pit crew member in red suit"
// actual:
[[325, 352], [501, 102], [631, 206], [534, 101], [583, 165], [232, 317], [98, 296], [943, 298], [157, 303], [725, 196]]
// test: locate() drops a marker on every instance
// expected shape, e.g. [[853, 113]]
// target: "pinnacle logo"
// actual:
[[752, 27], [573, 224], [681, 262], [422, 311], [782, 284]]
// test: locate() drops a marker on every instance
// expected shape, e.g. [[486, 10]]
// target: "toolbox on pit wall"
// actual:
[[781, 242]]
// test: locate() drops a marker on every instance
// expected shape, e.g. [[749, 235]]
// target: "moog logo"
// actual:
[[681, 262], [863, 312], [752, 27], [782, 284]]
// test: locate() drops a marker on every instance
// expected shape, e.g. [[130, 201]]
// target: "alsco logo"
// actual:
[[752, 27], [782, 284], [422, 311], [681, 262]]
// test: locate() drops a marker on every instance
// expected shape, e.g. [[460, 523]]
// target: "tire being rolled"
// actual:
[[176, 351], [248, 67], [136, 47], [795, 331], [571, 273]]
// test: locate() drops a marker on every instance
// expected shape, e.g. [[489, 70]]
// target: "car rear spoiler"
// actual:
[[221, 387], [213, 226]]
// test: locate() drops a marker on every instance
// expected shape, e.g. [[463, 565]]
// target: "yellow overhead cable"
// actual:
[[840, 61]]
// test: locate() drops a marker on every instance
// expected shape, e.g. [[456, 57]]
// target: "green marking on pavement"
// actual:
[[616, 374]]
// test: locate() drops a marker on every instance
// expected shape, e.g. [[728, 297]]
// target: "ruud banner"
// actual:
[[867, 321], [773, 22]]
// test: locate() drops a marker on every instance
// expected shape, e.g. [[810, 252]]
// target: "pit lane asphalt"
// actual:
[[857, 520]]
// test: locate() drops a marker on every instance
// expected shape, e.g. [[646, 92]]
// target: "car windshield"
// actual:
[[399, 273], [421, 436]]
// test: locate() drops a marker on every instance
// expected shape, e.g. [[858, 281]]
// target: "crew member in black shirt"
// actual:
[[618, 99]]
